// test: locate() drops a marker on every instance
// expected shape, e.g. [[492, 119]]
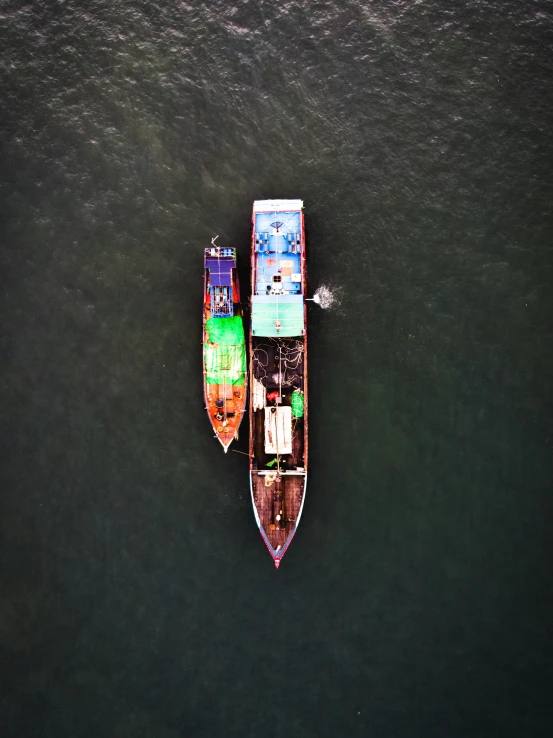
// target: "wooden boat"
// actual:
[[224, 349], [278, 371]]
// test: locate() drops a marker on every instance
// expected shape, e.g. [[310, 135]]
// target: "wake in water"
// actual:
[[325, 297]]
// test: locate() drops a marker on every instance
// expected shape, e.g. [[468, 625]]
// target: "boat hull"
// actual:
[[225, 379], [278, 371]]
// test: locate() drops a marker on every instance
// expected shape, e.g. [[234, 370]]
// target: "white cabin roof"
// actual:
[[277, 206], [278, 430]]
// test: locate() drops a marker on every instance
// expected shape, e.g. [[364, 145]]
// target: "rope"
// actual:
[[290, 354]]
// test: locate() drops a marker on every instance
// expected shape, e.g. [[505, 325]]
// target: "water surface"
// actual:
[[137, 596]]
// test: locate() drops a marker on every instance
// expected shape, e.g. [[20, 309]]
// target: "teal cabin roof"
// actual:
[[277, 315]]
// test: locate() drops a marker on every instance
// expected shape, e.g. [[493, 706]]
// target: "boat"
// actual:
[[278, 371], [224, 345]]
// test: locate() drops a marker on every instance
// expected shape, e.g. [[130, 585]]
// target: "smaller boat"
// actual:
[[224, 348]]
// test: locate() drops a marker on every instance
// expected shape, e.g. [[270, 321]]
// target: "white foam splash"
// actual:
[[324, 297]]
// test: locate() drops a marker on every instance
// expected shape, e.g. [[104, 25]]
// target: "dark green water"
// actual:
[[137, 596]]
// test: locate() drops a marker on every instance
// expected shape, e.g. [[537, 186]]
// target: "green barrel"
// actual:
[[297, 404]]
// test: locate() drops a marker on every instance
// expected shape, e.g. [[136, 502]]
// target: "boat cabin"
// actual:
[[220, 262]]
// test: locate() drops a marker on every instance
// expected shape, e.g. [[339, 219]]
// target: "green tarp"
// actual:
[[225, 351], [277, 315]]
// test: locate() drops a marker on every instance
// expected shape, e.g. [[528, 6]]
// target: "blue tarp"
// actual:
[[220, 271]]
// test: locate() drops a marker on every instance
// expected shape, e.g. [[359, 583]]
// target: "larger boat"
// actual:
[[278, 371], [224, 348]]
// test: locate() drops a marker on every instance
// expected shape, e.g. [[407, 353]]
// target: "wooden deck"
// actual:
[[295, 459], [278, 497], [234, 399]]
